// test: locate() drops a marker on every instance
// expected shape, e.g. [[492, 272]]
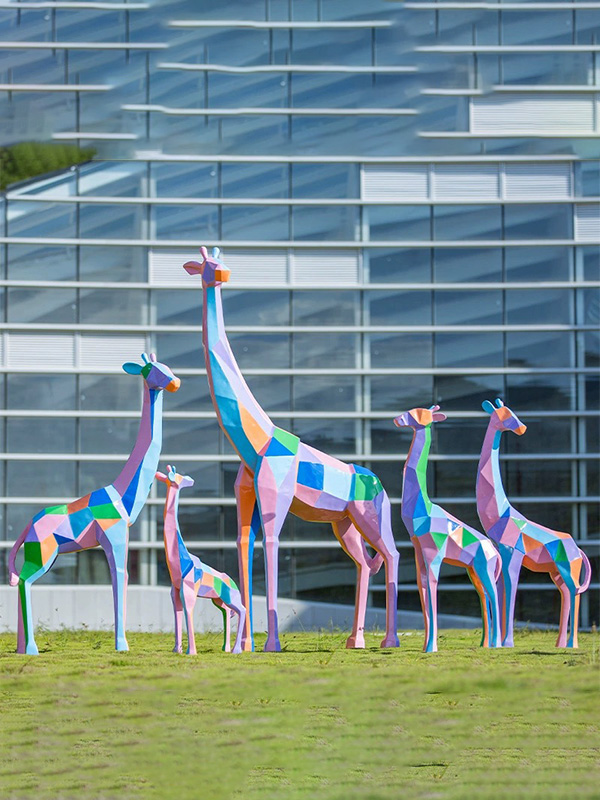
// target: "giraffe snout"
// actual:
[[520, 430], [174, 385]]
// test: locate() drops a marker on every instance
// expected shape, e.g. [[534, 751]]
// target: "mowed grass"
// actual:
[[315, 721]]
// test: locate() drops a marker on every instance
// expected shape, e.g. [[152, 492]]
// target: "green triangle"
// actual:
[[468, 537], [57, 510], [439, 539], [286, 439], [561, 553], [105, 511]]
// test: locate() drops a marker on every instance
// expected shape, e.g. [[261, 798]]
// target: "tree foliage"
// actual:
[[18, 162]]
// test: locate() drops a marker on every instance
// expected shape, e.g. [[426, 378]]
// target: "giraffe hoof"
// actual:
[[355, 643], [178, 649], [122, 645], [32, 650], [272, 645], [391, 641]]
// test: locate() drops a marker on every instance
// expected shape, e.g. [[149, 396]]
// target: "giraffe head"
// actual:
[[213, 271], [157, 376], [418, 418], [173, 479], [502, 418]]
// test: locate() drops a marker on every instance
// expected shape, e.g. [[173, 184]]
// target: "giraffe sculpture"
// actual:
[[522, 542], [279, 474], [437, 536], [191, 578], [100, 518]]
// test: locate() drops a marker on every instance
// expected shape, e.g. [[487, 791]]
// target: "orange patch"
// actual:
[[503, 412], [529, 543], [77, 505], [256, 435], [47, 547]]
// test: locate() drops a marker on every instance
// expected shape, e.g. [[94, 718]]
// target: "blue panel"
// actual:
[[311, 474]]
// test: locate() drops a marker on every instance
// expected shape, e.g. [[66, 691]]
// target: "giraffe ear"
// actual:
[[438, 416], [204, 253], [488, 407], [160, 476], [499, 403], [216, 252], [132, 369]]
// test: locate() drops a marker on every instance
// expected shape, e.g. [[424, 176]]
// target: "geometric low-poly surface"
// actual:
[[191, 578], [522, 542], [100, 518], [281, 474], [438, 536]]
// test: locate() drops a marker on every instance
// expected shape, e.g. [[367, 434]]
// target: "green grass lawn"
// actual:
[[315, 721]]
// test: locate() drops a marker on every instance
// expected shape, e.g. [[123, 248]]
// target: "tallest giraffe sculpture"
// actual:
[[279, 474]]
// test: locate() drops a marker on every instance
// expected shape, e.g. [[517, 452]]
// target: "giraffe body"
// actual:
[[192, 578], [438, 537], [281, 474], [522, 542], [101, 518]]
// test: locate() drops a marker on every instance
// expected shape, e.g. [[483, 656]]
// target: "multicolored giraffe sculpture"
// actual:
[[279, 474], [437, 536], [522, 542], [101, 518], [191, 578]]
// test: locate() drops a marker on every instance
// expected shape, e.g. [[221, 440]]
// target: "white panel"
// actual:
[[254, 266], [326, 268], [110, 352], [40, 350], [530, 113], [537, 180], [394, 183], [466, 181], [587, 222]]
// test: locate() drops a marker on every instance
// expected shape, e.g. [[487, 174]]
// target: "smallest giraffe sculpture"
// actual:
[[191, 578], [522, 542], [437, 536]]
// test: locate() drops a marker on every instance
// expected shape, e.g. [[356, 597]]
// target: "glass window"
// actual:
[[185, 180], [571, 69], [28, 262], [259, 90], [539, 306], [590, 257], [180, 350], [589, 178], [542, 436], [114, 264], [186, 222], [385, 438], [540, 27], [113, 306], [535, 221], [194, 395], [400, 308], [111, 222], [325, 180], [351, 46], [110, 393], [108, 436], [256, 308], [401, 350], [466, 26], [177, 307], [539, 349], [335, 350], [325, 222], [467, 392], [538, 478], [400, 393], [95, 474], [269, 349], [452, 482], [469, 350], [48, 392], [272, 392], [337, 394], [592, 349], [461, 436], [254, 180], [468, 308], [330, 435], [468, 264], [587, 26], [121, 179], [398, 222], [52, 479], [467, 222], [402, 265], [524, 392], [40, 219], [27, 435], [255, 222], [325, 308], [538, 263], [42, 305], [192, 436]]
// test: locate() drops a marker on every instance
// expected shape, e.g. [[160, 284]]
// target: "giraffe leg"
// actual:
[[188, 600], [354, 546], [236, 604], [178, 611], [274, 494], [485, 564], [421, 583], [485, 610], [115, 543], [511, 567], [375, 525], [570, 576], [220, 604], [433, 573], [565, 599], [248, 525], [36, 564]]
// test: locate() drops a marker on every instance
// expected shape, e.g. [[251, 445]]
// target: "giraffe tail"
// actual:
[[588, 573], [13, 578]]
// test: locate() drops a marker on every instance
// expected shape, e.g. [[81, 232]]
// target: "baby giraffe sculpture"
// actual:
[[102, 517], [522, 542], [191, 578], [437, 536]]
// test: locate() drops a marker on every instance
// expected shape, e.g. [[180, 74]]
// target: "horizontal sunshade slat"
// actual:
[[331, 268], [110, 352], [40, 351], [466, 181], [587, 222], [523, 113], [264, 267], [537, 180], [395, 183]]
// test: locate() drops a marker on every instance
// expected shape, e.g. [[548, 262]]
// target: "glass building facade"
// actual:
[[408, 198]]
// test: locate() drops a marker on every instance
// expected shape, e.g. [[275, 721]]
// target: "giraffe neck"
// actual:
[[244, 422], [415, 500], [175, 550], [136, 477], [492, 502]]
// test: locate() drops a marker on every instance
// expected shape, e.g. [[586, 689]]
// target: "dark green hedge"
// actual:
[[18, 162]]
